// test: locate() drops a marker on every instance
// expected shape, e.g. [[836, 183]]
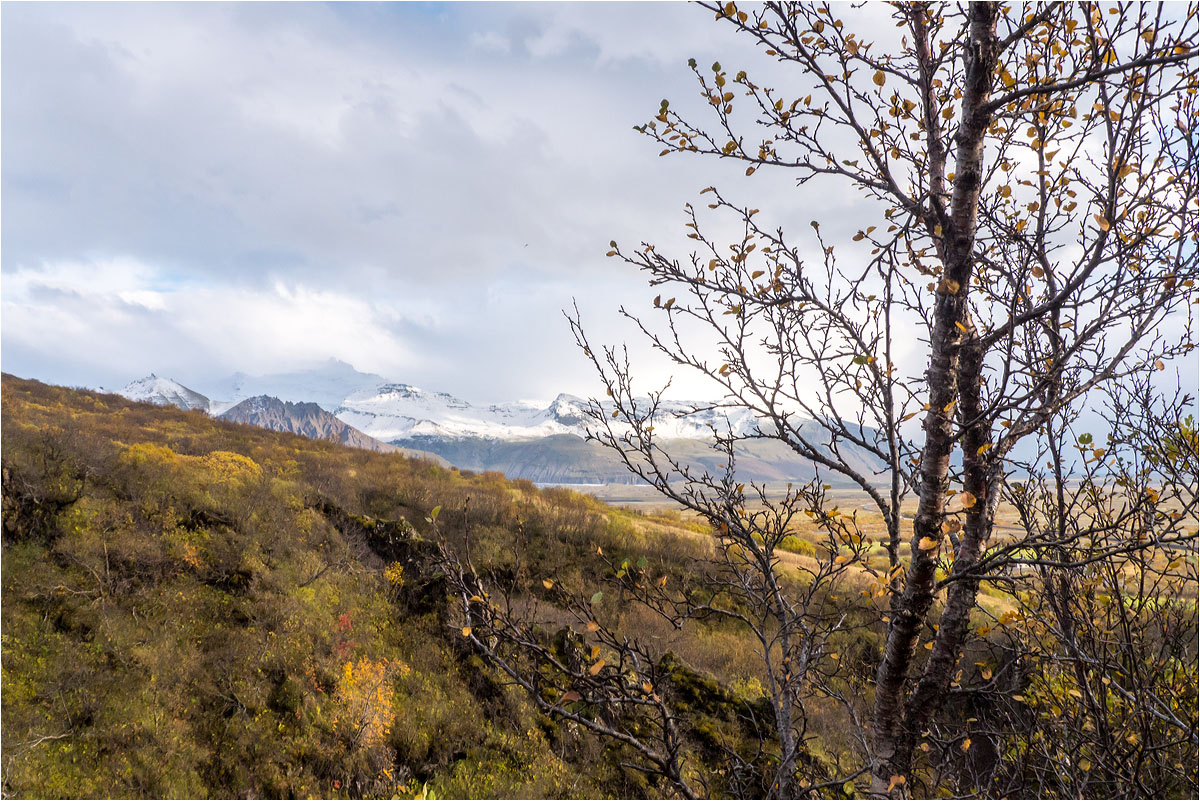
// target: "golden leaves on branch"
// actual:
[[365, 693]]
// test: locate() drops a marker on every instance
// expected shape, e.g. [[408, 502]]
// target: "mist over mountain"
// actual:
[[326, 385]]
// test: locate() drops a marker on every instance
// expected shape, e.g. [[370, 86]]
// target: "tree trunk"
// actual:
[[943, 377]]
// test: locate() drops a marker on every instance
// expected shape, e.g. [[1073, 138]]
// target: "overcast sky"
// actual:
[[416, 189]]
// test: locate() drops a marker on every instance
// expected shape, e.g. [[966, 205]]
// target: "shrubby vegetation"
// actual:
[[196, 608]]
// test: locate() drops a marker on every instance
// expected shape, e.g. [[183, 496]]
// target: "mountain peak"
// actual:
[[164, 392]]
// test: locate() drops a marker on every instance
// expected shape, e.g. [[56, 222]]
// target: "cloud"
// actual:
[[140, 320], [416, 189]]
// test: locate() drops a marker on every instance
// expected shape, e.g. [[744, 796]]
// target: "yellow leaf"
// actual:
[[475, 599], [968, 500], [896, 781], [547, 583], [966, 744], [647, 687], [987, 446], [1102, 222], [593, 626], [466, 632], [960, 326], [928, 543], [880, 79], [595, 651], [596, 668], [986, 673]]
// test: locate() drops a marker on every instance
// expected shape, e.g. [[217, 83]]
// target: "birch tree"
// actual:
[[1028, 228]]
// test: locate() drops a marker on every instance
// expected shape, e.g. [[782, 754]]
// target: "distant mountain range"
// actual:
[[543, 443]]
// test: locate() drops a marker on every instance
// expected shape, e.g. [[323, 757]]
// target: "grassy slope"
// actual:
[[195, 608], [168, 629]]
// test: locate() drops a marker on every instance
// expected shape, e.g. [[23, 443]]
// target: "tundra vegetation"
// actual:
[[197, 608], [1022, 280]]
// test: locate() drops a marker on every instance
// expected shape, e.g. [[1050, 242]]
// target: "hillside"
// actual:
[[193, 607], [569, 459]]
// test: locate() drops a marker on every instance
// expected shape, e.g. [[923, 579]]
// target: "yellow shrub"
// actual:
[[366, 693]]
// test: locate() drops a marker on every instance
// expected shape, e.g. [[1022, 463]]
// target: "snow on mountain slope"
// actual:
[[399, 411], [164, 392], [390, 411]]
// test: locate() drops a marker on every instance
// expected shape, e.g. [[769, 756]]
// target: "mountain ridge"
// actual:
[[523, 439]]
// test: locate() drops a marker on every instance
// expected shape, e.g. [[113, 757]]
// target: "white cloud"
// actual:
[[490, 42], [127, 313]]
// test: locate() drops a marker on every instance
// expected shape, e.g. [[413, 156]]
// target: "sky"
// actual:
[[416, 189]]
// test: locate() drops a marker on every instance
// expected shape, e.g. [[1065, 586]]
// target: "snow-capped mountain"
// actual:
[[164, 392], [391, 411], [543, 442], [309, 420], [400, 411]]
